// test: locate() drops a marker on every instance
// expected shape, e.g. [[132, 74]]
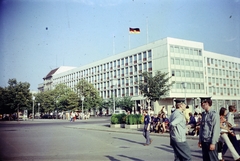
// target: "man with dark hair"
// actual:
[[209, 131], [233, 139], [177, 127], [146, 130]]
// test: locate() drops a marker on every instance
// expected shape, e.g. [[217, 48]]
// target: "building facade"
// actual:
[[194, 73]]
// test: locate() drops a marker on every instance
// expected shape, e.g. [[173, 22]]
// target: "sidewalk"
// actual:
[[106, 127]]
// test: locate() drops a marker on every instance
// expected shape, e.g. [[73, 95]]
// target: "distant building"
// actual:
[[48, 83], [194, 71]]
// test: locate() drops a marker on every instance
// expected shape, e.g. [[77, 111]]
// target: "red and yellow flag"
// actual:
[[134, 30]]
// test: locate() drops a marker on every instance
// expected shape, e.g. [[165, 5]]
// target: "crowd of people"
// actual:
[[215, 131]]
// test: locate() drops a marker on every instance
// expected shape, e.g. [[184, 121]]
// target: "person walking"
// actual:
[[209, 131], [186, 114], [225, 131], [233, 139], [177, 127], [146, 129]]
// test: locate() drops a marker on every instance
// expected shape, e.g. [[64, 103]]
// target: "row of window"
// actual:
[[224, 91], [185, 50], [223, 63], [187, 62], [188, 85], [187, 73], [223, 72], [142, 58], [132, 70], [223, 81]]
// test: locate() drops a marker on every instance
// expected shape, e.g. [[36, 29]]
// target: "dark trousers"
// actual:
[[234, 142], [181, 151], [209, 155], [146, 134]]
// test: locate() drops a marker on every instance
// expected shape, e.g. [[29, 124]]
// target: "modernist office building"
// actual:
[[194, 72]]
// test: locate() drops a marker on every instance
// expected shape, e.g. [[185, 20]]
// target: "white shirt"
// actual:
[[230, 118]]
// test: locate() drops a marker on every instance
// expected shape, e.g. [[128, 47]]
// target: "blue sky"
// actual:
[[39, 35]]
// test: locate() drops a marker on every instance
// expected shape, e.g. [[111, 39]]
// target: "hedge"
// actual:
[[131, 119]]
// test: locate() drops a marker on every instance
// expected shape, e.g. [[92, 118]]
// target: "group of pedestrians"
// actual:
[[216, 132]]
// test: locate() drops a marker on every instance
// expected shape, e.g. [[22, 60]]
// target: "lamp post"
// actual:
[[38, 109], [33, 98], [82, 99], [114, 103], [184, 86]]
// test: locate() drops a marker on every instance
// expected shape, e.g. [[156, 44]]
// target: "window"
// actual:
[[191, 62], [144, 55], [187, 73], [135, 57], [145, 66], [177, 61], [183, 73], [149, 54], [219, 62], [196, 63], [187, 62], [130, 59], [173, 73], [181, 50], [186, 50], [171, 49], [126, 60], [208, 60], [200, 52], [176, 49], [178, 74], [172, 61], [140, 56], [122, 62], [126, 70]]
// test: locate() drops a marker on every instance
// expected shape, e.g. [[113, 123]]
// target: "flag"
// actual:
[[134, 30]]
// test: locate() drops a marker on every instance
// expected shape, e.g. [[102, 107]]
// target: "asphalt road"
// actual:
[[82, 140]]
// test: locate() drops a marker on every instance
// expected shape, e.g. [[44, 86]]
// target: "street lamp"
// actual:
[[82, 99], [184, 84], [38, 109], [33, 98], [114, 85]]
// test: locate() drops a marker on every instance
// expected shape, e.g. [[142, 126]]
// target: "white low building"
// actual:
[[194, 71]]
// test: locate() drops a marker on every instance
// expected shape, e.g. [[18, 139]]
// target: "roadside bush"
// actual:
[[134, 119], [118, 119]]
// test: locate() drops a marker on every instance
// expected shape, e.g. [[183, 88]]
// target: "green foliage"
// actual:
[[91, 95], [118, 119], [15, 95], [126, 103], [134, 119], [155, 87]]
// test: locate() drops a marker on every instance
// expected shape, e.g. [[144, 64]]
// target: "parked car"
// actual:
[[120, 112]]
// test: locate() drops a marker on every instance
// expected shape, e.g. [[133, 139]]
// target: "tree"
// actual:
[[17, 95], [126, 103], [155, 87], [65, 98], [90, 94]]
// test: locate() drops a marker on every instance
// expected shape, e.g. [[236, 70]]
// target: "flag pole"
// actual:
[[147, 29], [113, 44], [129, 44]]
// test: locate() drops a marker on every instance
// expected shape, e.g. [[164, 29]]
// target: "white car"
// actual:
[[120, 112]]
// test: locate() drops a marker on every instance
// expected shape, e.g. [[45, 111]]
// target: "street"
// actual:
[[82, 140]]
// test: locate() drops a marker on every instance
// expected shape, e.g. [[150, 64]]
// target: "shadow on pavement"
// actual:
[[111, 158], [135, 159], [128, 140]]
